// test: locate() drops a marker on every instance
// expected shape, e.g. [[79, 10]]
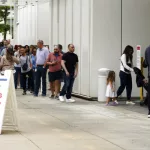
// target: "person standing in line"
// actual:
[[18, 77], [60, 47], [110, 90], [8, 60], [126, 67], [33, 64], [70, 66], [147, 64], [41, 70], [55, 72], [25, 69], [3, 52]]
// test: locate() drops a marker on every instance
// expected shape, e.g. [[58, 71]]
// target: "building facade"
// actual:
[[99, 29]]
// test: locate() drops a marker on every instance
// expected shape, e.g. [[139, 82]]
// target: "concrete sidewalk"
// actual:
[[47, 124]]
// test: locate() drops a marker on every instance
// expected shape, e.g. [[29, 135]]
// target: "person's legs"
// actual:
[[37, 81], [66, 85], [21, 82], [43, 72], [123, 81], [16, 77], [52, 86], [30, 79], [24, 83], [129, 87], [70, 87], [149, 98], [57, 87], [107, 100]]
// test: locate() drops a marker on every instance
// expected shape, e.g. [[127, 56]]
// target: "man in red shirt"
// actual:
[[55, 72]]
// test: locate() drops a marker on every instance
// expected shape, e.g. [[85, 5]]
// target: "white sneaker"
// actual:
[[116, 102], [61, 98], [130, 103], [149, 116], [70, 100]]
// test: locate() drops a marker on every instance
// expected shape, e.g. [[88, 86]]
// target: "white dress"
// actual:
[[109, 91]]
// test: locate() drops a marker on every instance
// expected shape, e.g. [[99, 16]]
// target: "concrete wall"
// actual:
[[136, 27], [71, 24], [96, 28], [107, 34]]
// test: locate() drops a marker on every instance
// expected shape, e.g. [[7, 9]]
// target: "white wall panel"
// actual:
[[77, 39], [136, 24], [106, 39], [85, 48], [43, 22], [55, 22], [69, 21], [62, 23]]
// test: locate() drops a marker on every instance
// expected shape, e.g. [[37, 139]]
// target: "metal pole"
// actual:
[[141, 89]]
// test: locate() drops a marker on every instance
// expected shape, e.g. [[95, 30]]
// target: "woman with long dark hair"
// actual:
[[8, 60], [126, 67]]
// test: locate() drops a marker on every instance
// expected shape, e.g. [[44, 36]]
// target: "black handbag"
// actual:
[[25, 65]]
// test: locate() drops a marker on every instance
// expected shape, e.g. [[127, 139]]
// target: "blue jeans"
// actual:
[[17, 73], [40, 73], [68, 86], [33, 80]]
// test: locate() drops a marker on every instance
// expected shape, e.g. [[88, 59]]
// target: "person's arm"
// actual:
[[1, 63], [2, 53], [16, 60], [76, 67], [46, 57], [64, 67], [124, 63]]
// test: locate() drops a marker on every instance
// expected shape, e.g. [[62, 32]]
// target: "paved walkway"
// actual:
[[47, 124]]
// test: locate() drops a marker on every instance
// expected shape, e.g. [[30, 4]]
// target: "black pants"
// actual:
[[149, 95], [24, 79], [126, 82], [68, 85], [40, 73]]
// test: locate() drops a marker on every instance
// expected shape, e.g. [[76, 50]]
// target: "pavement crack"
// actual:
[[29, 140]]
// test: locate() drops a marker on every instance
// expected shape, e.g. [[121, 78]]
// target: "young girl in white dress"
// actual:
[[110, 91]]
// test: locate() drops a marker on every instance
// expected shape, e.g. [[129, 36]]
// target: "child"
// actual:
[[110, 92]]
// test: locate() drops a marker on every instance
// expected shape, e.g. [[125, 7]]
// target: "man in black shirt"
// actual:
[[70, 66]]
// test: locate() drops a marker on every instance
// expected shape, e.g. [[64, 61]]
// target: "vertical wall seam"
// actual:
[[90, 17], [65, 25], [72, 20], [80, 45], [121, 25]]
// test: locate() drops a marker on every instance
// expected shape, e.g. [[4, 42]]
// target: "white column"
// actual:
[[50, 24], [15, 21], [11, 24], [36, 24]]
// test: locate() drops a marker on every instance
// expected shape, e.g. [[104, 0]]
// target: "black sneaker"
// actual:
[[57, 97], [24, 93]]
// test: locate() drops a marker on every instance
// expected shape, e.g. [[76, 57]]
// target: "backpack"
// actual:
[[25, 65]]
